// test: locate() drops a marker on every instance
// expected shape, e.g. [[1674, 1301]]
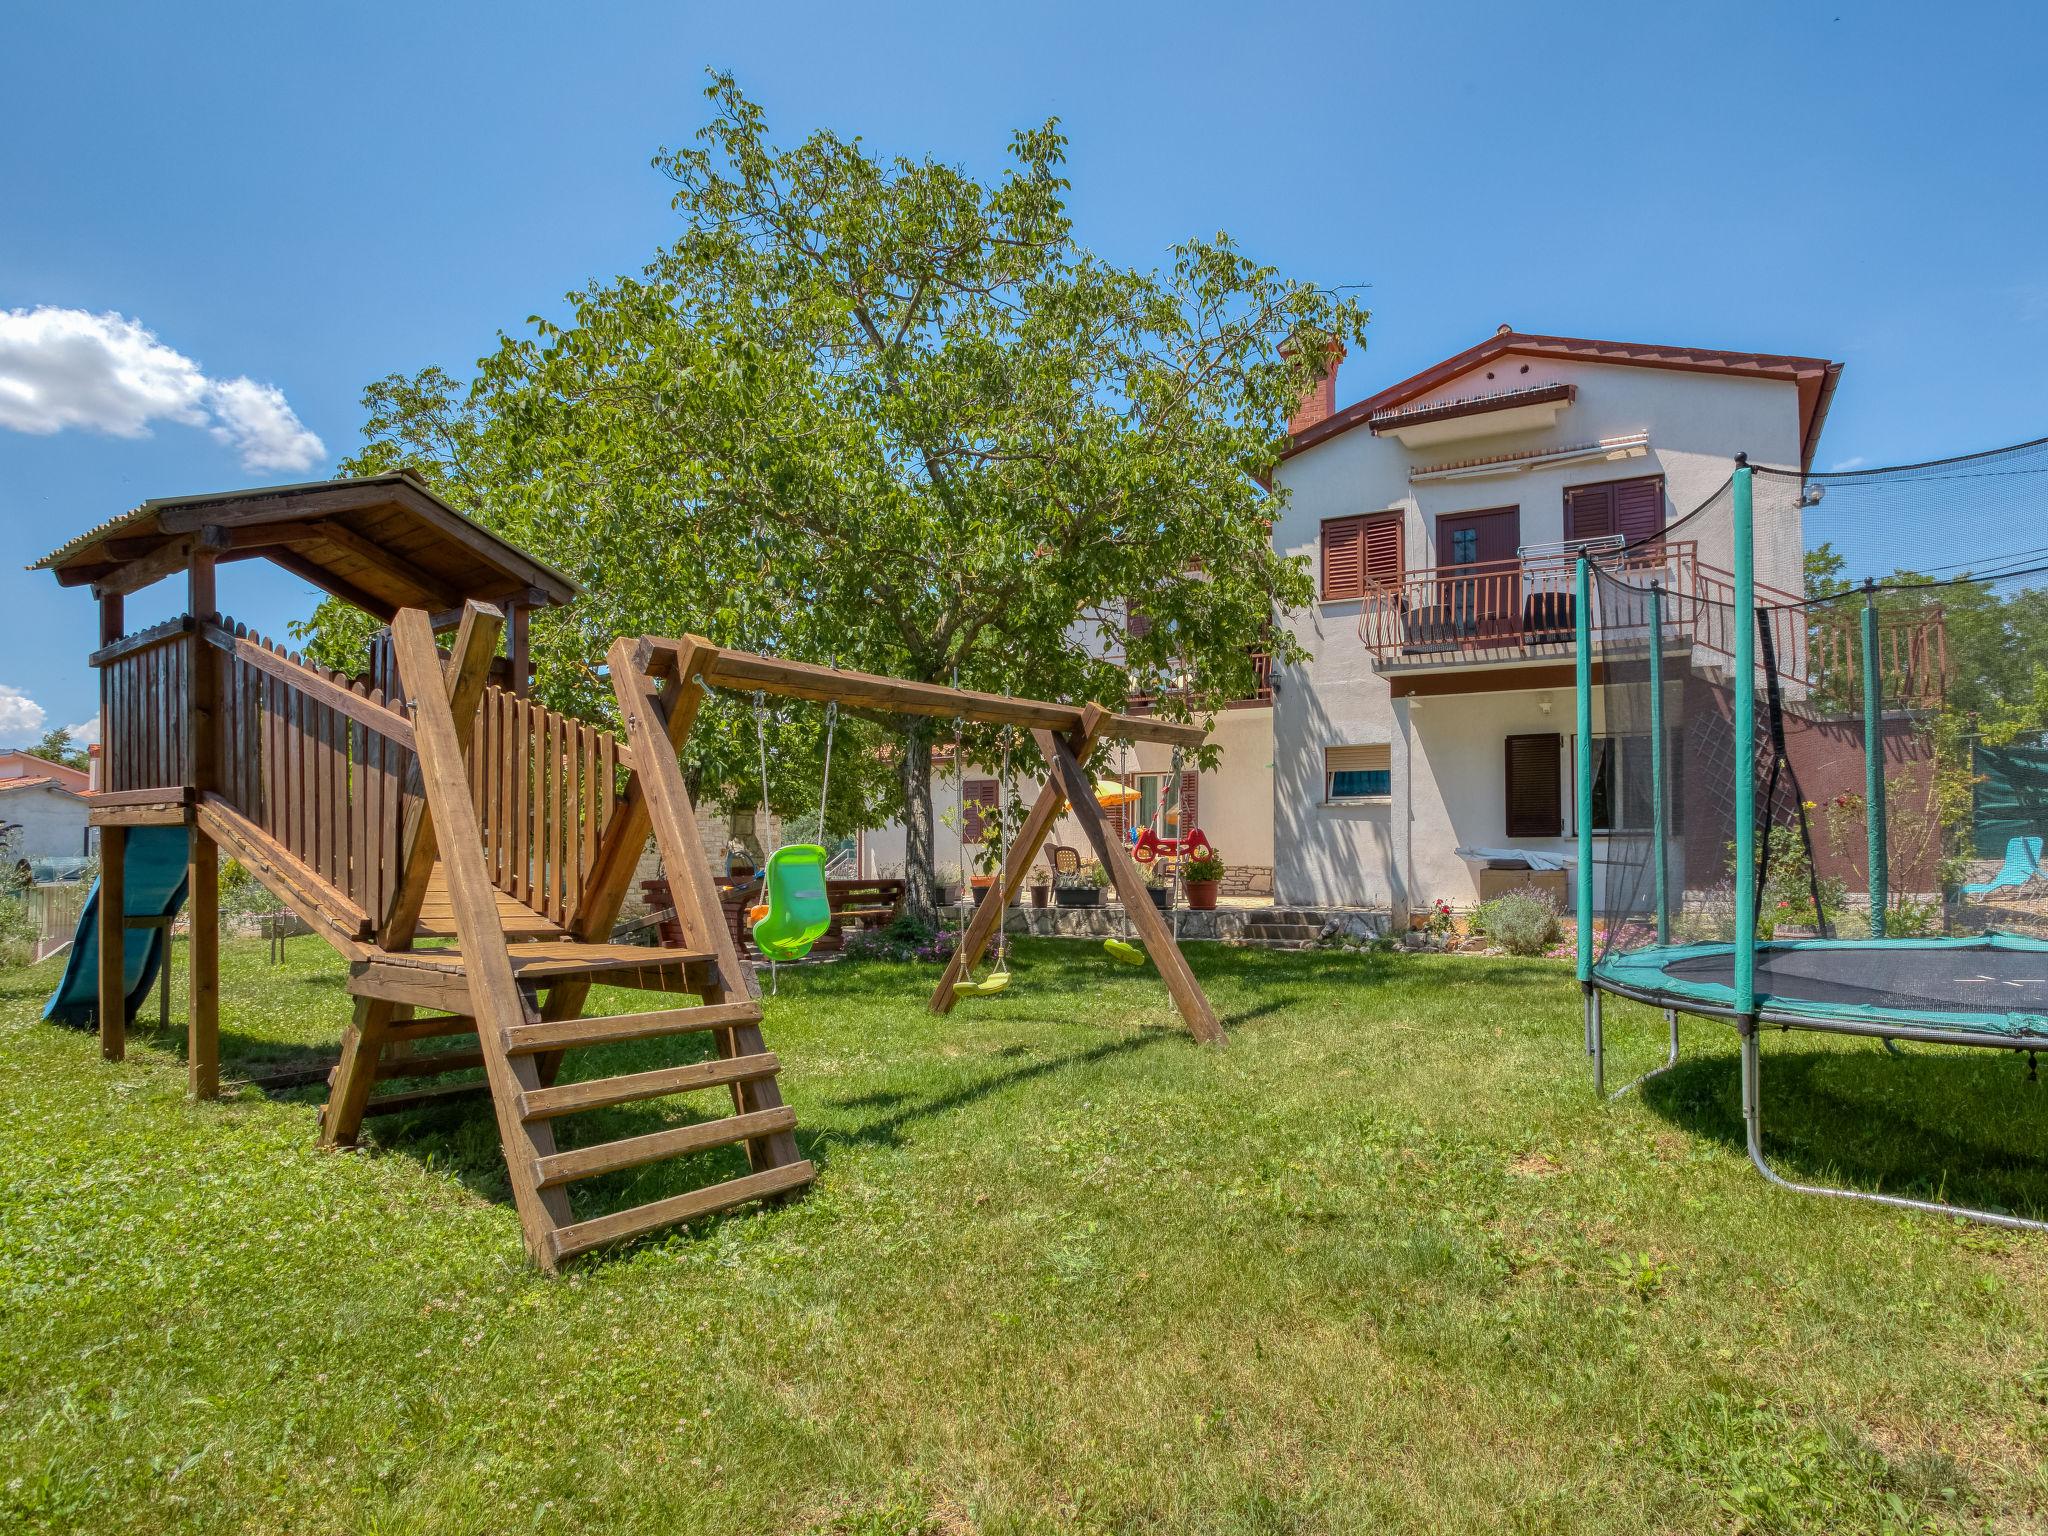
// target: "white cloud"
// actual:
[[66, 368], [86, 733], [1856, 461], [256, 421], [21, 718]]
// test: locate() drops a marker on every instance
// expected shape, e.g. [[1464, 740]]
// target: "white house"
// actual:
[[1439, 518], [42, 807]]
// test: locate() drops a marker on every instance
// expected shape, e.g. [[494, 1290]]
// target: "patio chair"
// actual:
[[2022, 865], [1065, 862]]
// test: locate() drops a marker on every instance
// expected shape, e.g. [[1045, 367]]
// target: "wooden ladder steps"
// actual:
[[528, 1039], [611, 1156], [604, 1092], [581, 1236]]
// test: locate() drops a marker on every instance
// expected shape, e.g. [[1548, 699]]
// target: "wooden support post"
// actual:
[[356, 1073], [202, 775], [112, 606], [113, 940], [518, 652], [202, 1020], [657, 723], [1147, 919], [1030, 840]]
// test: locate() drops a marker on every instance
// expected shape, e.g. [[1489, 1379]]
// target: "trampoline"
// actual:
[[1795, 853], [1981, 989]]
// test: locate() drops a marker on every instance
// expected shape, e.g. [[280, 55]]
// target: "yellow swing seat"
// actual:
[[988, 986], [1129, 954], [795, 912]]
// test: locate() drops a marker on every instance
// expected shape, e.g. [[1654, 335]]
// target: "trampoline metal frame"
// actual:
[[1750, 1030]]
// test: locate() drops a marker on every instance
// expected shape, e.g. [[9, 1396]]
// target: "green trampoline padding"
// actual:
[[1990, 983]]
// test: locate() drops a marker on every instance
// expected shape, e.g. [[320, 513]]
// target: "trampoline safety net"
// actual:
[[1899, 784]]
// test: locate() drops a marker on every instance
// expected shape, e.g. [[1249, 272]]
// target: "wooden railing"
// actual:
[[545, 788], [323, 766], [142, 719], [1912, 657], [321, 763]]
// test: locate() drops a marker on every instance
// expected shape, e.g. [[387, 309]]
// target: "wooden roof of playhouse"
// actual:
[[382, 543]]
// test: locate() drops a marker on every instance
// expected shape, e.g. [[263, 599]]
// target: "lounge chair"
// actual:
[[2022, 864]]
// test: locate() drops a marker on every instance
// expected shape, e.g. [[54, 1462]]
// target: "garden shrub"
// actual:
[[1521, 922]]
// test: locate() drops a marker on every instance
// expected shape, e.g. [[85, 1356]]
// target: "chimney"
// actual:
[[1319, 401]]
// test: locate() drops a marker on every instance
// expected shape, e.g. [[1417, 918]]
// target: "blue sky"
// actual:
[[295, 200]]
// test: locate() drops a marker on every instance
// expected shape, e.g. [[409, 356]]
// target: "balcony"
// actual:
[[1526, 609], [1520, 609], [1260, 696]]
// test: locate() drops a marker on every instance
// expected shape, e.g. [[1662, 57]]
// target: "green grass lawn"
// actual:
[[1379, 1265]]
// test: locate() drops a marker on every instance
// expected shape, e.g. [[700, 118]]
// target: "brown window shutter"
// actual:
[[980, 810], [1535, 787], [1589, 512], [1383, 550], [1136, 624], [1190, 802], [1343, 558], [1639, 508]]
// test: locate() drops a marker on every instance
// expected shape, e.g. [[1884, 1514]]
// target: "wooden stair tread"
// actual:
[[525, 1039], [604, 1092], [548, 958], [678, 1141], [582, 1236]]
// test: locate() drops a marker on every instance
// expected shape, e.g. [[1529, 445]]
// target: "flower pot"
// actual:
[[1078, 896], [1202, 895], [1040, 895], [1162, 896], [981, 890]]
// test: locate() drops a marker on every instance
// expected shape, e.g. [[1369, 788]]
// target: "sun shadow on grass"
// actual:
[[1963, 1127]]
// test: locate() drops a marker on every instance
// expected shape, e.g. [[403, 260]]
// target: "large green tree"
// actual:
[[877, 412]]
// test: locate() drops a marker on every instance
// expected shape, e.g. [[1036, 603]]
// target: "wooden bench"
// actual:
[[855, 904]]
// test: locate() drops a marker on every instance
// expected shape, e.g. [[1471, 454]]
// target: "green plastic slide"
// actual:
[[795, 911]]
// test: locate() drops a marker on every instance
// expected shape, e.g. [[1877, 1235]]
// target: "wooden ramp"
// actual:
[[469, 856]]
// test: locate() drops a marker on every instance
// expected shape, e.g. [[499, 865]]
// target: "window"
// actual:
[[1623, 790], [1358, 773], [1157, 806], [1535, 785], [1361, 552], [1633, 509], [979, 809]]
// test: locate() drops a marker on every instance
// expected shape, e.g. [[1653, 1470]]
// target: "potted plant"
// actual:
[[1156, 886], [1204, 880], [1082, 890], [1041, 888]]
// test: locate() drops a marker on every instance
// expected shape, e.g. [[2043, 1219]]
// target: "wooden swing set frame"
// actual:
[[1065, 734]]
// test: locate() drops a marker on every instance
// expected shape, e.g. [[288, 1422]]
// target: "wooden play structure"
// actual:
[[432, 800]]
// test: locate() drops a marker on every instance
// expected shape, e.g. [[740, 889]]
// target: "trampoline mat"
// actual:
[[1939, 978]]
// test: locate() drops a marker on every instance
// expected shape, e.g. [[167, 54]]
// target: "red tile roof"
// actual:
[[1814, 376]]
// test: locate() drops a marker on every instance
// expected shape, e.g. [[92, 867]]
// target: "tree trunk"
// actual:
[[920, 896]]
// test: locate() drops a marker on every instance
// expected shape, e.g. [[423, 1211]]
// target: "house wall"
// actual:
[[1347, 854], [52, 823]]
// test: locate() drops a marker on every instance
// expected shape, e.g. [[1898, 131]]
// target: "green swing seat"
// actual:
[[795, 912]]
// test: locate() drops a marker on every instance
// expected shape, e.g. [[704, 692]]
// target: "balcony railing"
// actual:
[[1262, 690], [1527, 608], [1502, 610]]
